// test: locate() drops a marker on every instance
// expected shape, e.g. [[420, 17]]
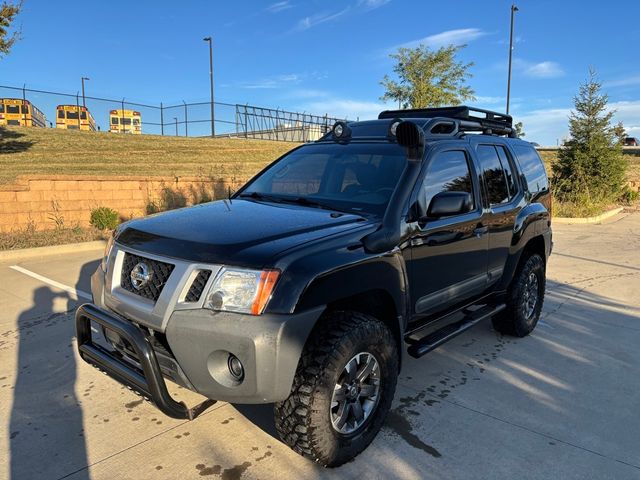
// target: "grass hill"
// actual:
[[39, 151]]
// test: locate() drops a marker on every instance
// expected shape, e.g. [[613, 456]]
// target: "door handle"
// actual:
[[480, 230]]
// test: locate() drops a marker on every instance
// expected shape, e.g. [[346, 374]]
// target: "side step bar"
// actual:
[[434, 340], [147, 381]]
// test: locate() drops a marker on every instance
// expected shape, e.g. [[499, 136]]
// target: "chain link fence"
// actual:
[[184, 119]]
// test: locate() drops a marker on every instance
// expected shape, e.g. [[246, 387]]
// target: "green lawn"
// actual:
[[37, 151]]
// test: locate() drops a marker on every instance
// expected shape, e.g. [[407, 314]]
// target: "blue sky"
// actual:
[[327, 57]]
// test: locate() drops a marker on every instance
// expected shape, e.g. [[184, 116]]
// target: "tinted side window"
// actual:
[[508, 171], [494, 175], [532, 168], [447, 172]]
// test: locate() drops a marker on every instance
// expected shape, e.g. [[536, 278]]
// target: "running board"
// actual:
[[434, 340]]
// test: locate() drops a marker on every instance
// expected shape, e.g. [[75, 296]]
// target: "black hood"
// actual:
[[240, 232]]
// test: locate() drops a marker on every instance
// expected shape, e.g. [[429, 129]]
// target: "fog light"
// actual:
[[235, 367]]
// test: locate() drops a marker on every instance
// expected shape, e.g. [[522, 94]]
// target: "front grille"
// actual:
[[195, 291], [160, 272]]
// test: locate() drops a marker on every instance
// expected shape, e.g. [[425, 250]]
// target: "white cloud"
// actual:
[[545, 126], [459, 36], [318, 18], [344, 108], [279, 6], [277, 81], [545, 69], [483, 100], [623, 82], [372, 4], [548, 126]]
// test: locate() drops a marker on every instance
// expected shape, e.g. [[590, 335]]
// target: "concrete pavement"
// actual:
[[561, 403]]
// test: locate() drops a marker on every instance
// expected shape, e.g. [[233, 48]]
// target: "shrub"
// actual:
[[104, 218], [629, 196]]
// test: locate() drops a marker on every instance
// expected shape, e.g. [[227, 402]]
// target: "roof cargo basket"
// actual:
[[470, 118]]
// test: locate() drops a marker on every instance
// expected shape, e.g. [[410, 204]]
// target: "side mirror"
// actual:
[[446, 204], [411, 137]]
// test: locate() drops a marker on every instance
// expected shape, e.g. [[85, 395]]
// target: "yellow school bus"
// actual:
[[74, 117], [16, 111], [125, 121]]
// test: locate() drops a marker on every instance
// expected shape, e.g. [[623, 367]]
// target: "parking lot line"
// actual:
[[73, 291]]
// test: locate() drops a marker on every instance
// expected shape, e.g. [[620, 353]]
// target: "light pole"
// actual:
[[514, 9], [82, 79], [213, 125]]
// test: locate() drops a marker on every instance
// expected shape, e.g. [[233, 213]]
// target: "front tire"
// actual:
[[524, 299], [342, 390]]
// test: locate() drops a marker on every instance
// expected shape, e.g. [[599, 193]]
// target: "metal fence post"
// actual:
[[161, 119], [186, 122], [24, 102], [78, 108]]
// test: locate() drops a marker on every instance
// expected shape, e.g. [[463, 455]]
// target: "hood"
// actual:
[[239, 232]]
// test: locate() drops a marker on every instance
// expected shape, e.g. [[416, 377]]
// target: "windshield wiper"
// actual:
[[295, 200], [260, 196]]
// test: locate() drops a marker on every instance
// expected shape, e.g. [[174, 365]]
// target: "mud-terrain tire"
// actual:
[[524, 299], [346, 356]]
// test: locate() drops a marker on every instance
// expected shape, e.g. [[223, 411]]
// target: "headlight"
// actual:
[[107, 252], [242, 291]]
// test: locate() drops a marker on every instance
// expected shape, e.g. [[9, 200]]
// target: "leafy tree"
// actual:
[[8, 13], [590, 166], [428, 78], [519, 129]]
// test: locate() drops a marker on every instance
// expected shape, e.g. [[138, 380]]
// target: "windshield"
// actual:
[[353, 177]]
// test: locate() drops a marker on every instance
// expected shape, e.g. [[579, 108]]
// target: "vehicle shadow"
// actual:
[[9, 142]]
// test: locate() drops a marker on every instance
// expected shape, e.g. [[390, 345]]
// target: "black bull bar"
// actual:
[[147, 380]]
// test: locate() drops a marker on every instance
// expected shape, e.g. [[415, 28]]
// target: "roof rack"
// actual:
[[469, 118]]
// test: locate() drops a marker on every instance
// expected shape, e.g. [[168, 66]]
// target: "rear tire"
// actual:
[[524, 299], [342, 390]]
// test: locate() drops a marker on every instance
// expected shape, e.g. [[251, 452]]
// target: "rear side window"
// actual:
[[447, 172], [60, 113], [532, 168], [510, 174], [494, 175]]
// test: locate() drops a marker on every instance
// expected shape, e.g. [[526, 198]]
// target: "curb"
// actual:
[[24, 253], [596, 219]]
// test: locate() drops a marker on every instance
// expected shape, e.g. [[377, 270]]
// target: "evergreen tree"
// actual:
[[590, 166]]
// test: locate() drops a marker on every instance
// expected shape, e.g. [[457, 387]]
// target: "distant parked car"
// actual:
[[631, 142]]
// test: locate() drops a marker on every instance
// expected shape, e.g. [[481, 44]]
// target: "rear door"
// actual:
[[448, 261], [503, 195]]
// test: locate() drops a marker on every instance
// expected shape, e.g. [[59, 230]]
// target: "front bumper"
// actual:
[[200, 341], [146, 378]]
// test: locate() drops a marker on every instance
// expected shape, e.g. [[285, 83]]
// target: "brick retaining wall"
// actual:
[[44, 202]]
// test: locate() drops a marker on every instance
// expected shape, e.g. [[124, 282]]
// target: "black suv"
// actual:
[[305, 288]]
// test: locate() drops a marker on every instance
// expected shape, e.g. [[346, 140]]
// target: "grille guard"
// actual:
[[147, 381]]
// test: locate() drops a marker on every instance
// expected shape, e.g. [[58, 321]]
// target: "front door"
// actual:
[[448, 260]]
